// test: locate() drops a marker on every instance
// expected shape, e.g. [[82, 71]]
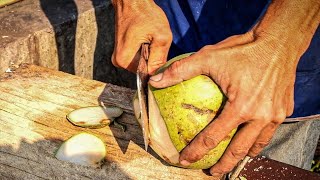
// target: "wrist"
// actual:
[[290, 23], [131, 3]]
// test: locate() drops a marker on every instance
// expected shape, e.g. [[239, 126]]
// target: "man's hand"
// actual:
[[259, 85], [256, 71], [138, 22]]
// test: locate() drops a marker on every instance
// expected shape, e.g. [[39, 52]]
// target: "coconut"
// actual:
[[178, 113], [84, 149], [94, 116]]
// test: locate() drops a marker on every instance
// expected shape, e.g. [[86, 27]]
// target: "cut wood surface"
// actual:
[[34, 102]]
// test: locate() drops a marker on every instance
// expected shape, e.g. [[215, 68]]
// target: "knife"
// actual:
[[142, 82], [261, 167], [244, 168]]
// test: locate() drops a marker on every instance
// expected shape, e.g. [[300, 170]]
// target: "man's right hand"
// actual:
[[138, 22]]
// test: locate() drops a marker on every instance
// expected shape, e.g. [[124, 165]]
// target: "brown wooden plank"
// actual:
[[33, 104]]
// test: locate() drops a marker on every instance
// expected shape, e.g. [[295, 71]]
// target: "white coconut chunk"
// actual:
[[94, 116], [84, 149], [160, 140], [137, 109]]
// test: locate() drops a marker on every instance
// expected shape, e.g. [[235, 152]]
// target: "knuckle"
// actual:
[[264, 117], [235, 36], [279, 117], [273, 125], [169, 36], [232, 92], [120, 63], [206, 52], [238, 153], [254, 152], [156, 63], [257, 148], [245, 114], [289, 111], [116, 57], [114, 60], [246, 111], [209, 142], [193, 157], [164, 38], [267, 118], [265, 114], [207, 49], [176, 68], [290, 108], [260, 145]]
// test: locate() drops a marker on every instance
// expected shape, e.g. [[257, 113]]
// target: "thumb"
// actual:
[[179, 71]]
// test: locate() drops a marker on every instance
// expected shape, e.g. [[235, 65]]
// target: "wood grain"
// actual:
[[33, 104]]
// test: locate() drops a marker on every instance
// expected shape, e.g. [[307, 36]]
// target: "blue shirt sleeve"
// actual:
[[196, 23]]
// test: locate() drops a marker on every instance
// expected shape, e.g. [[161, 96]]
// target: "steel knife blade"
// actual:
[[142, 82], [261, 167]]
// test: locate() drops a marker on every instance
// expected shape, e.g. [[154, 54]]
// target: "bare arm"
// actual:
[[257, 72]]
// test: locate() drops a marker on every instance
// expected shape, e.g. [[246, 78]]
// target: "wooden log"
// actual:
[[33, 104]]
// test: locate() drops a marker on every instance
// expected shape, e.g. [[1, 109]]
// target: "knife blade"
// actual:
[[142, 81], [261, 167]]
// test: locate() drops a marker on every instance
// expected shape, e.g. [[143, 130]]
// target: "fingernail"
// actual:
[[185, 163], [157, 77]]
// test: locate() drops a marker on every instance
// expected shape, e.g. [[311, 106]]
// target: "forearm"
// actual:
[[290, 22], [131, 3]]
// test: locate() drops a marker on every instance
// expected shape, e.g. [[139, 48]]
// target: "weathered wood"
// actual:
[[74, 36], [114, 96], [33, 104]]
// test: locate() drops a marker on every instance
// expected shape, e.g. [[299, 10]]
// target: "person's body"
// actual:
[[251, 52]]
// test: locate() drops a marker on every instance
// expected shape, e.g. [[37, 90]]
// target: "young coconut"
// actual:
[[178, 113], [84, 149], [94, 116]]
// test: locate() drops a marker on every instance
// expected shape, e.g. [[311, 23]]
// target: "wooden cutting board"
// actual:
[[34, 102]]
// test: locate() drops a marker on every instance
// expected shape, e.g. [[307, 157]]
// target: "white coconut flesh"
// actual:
[[83, 149], [160, 140], [94, 116], [136, 108]]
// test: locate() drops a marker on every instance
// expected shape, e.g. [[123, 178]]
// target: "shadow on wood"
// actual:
[[123, 97], [35, 160], [34, 102]]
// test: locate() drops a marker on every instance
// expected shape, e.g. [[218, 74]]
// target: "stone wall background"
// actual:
[[73, 36]]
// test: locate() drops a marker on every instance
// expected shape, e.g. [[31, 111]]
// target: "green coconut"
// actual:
[[178, 113]]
